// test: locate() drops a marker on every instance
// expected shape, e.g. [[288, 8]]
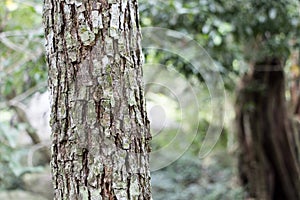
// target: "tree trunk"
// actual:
[[100, 130], [268, 162]]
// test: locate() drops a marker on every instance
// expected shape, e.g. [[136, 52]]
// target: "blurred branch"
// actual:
[[20, 111], [10, 44], [21, 62], [17, 100], [22, 33], [28, 92], [44, 149], [29, 53], [20, 108], [31, 132], [17, 47]]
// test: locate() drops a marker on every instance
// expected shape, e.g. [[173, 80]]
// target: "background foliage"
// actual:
[[22, 72], [227, 29]]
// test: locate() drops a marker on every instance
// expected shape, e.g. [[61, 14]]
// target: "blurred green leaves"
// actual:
[[230, 31], [22, 64], [190, 178], [12, 162], [22, 67]]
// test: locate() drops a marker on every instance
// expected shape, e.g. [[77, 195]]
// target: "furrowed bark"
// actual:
[[100, 130]]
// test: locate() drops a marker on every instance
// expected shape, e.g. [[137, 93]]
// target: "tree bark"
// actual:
[[100, 131], [268, 163]]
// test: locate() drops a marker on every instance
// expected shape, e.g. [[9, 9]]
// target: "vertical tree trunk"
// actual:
[[267, 163], [100, 131]]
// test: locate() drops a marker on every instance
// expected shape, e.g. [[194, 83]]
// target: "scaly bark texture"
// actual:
[[100, 131], [268, 163]]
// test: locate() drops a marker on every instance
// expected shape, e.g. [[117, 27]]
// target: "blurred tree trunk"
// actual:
[[100, 131], [268, 163]]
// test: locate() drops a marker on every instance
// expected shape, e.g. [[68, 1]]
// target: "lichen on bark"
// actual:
[[100, 131]]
